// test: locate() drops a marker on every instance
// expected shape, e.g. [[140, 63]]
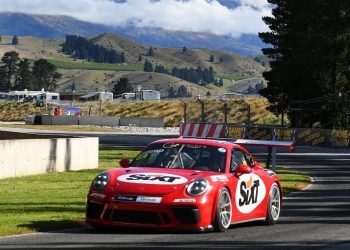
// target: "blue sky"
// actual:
[[221, 17]]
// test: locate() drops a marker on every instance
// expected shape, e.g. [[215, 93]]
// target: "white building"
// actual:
[[98, 96], [144, 95], [25, 95]]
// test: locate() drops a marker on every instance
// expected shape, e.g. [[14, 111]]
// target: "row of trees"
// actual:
[[82, 48], [18, 74], [310, 68], [197, 76]]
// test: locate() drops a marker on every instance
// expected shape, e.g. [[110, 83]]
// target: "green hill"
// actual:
[[90, 76]]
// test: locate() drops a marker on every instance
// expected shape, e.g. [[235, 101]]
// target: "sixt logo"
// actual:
[[152, 178], [250, 192], [164, 178]]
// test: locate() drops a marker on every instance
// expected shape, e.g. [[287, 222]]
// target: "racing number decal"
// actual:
[[152, 178], [250, 192]]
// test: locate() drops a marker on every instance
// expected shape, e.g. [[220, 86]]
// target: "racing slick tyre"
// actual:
[[274, 205], [223, 212]]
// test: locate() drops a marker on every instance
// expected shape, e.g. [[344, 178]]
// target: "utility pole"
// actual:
[[202, 108], [185, 109], [225, 111]]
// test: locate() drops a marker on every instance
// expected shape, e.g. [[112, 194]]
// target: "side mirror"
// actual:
[[124, 163], [243, 169]]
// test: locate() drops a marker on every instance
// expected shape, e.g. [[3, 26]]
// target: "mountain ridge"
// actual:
[[58, 26]]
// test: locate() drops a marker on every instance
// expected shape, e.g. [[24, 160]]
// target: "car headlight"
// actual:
[[198, 187], [101, 181]]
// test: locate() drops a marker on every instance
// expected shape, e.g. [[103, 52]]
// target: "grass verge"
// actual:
[[57, 200]]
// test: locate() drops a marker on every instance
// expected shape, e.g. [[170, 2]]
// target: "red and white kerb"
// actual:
[[201, 130]]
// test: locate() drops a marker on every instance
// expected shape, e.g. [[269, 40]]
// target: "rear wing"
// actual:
[[264, 143], [217, 132]]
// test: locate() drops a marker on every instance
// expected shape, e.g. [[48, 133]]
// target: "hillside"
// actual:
[[90, 76], [176, 57]]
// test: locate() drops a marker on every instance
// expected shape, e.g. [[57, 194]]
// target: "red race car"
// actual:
[[186, 184]]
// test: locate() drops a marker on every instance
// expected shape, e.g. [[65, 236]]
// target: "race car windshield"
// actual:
[[184, 156]]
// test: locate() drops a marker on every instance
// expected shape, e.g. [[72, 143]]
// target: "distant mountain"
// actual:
[[46, 26]]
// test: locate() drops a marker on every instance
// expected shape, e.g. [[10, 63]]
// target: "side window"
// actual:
[[238, 158]]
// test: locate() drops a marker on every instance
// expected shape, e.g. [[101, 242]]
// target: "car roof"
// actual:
[[208, 142]]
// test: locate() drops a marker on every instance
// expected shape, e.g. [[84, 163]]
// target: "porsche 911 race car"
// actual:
[[186, 183]]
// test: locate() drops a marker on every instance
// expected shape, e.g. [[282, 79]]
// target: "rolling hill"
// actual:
[[89, 76]]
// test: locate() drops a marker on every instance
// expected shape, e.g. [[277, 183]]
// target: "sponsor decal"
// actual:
[[250, 192], [195, 146], [222, 150], [142, 199], [97, 195], [171, 145], [216, 178], [125, 198], [148, 199], [153, 178], [185, 200]]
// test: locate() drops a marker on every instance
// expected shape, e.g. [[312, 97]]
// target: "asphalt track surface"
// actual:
[[316, 218]]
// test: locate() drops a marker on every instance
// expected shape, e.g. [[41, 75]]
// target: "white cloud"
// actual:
[[190, 15], [259, 4]]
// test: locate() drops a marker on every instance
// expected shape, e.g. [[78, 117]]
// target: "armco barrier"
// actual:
[[59, 120], [142, 122], [99, 121], [38, 156]]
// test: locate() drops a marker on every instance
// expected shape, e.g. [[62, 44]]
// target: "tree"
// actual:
[[208, 93], [150, 52], [250, 90], [82, 48], [24, 77], [0, 39], [211, 58], [122, 57], [140, 58], [171, 92], [9, 69], [221, 59], [122, 86], [184, 49], [15, 40], [310, 58], [221, 82], [148, 67], [182, 91], [3, 82], [45, 75], [73, 87]]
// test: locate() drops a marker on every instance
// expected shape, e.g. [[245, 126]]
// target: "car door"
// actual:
[[250, 189]]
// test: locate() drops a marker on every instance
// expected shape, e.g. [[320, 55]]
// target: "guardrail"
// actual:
[[303, 136], [95, 121]]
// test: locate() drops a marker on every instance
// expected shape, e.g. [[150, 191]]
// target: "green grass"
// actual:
[[229, 77], [57, 200], [69, 64], [292, 181], [50, 201]]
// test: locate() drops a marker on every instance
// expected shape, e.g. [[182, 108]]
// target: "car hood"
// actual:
[[152, 181]]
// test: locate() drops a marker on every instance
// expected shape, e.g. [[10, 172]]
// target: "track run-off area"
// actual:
[[315, 218]]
